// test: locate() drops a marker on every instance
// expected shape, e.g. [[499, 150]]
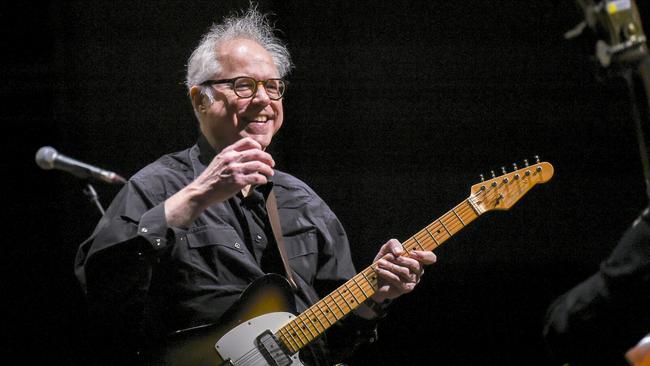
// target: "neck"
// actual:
[[246, 190]]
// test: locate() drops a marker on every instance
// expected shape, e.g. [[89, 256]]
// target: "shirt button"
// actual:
[[237, 245], [258, 238], [144, 230]]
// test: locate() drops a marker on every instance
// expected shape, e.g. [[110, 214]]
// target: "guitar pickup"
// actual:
[[272, 350]]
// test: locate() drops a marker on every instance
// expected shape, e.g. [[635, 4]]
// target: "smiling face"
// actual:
[[229, 118]]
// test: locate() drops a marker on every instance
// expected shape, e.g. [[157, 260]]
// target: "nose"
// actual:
[[261, 96]]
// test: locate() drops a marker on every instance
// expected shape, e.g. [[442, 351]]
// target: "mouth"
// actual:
[[258, 119], [258, 125]]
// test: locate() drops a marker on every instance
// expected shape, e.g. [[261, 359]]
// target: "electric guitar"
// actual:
[[261, 329]]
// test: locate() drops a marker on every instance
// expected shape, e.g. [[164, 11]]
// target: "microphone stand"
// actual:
[[638, 81], [90, 192]]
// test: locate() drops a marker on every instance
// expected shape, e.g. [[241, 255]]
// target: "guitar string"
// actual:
[[462, 212], [254, 355]]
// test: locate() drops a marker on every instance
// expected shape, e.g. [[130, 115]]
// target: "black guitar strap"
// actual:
[[274, 218]]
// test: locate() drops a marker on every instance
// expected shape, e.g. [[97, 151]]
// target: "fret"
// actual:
[[330, 310], [337, 305], [296, 332], [418, 243], [288, 340], [315, 317], [472, 204], [372, 285], [350, 298], [354, 279], [432, 237], [354, 298], [305, 325], [443, 225], [318, 304], [461, 220], [344, 300]]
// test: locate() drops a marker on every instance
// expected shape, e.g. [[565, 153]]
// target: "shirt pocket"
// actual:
[[302, 251], [211, 250], [208, 236]]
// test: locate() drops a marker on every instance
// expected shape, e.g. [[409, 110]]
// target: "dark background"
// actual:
[[394, 110]]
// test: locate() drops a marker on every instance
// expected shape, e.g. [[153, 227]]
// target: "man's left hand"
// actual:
[[398, 273]]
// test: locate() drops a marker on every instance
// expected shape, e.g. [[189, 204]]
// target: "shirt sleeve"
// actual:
[[597, 321], [115, 265]]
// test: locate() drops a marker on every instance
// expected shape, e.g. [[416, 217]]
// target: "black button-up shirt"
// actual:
[[144, 279]]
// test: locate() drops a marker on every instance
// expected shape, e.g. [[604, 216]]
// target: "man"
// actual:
[[189, 232]]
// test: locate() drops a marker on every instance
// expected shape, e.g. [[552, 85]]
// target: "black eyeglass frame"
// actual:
[[257, 82]]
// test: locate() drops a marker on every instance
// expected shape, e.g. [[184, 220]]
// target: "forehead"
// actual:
[[244, 57]]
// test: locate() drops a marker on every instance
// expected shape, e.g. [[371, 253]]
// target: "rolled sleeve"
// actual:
[[154, 229]]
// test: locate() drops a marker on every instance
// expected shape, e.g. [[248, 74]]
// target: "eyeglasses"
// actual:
[[246, 87]]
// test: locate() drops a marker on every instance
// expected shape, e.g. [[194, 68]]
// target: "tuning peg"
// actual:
[[492, 173], [482, 178], [526, 163], [537, 159], [503, 170], [514, 166]]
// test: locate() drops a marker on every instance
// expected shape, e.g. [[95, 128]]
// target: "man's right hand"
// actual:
[[239, 165]]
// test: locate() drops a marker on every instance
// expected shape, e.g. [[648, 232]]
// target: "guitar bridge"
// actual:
[[272, 350]]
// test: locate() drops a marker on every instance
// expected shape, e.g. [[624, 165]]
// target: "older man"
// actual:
[[190, 232]]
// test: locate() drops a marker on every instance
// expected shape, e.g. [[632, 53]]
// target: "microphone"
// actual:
[[48, 158]]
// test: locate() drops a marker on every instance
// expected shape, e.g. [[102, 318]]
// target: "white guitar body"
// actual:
[[239, 346]]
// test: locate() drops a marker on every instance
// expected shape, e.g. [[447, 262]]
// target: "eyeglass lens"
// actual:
[[245, 87]]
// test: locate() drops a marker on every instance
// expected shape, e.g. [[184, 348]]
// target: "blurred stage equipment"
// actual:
[[621, 48]]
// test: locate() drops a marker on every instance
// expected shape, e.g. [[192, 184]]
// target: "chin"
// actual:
[[263, 140]]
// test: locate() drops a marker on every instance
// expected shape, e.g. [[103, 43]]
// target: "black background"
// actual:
[[394, 110]]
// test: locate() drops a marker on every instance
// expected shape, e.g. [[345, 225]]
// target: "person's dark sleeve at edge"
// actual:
[[597, 321]]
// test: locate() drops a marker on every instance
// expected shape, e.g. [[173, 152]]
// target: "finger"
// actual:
[[253, 167], [413, 265], [243, 144], [256, 155], [424, 256], [394, 281], [241, 179], [393, 246], [403, 273]]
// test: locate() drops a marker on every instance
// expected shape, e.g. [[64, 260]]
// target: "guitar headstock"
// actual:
[[502, 192]]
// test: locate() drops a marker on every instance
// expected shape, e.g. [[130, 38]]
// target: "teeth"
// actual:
[[261, 119]]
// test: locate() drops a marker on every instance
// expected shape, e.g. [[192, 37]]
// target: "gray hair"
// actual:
[[204, 64]]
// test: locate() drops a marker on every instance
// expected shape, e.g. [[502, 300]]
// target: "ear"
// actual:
[[198, 99]]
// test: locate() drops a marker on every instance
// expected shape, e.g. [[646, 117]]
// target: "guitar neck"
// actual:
[[319, 317]]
